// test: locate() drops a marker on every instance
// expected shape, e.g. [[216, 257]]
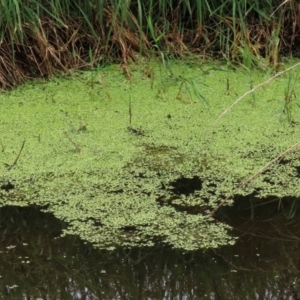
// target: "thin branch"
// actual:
[[250, 92], [72, 142], [130, 112], [2, 146], [284, 2], [248, 180], [9, 167]]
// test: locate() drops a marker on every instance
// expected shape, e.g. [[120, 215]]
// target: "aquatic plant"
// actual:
[[289, 102], [289, 94], [159, 181]]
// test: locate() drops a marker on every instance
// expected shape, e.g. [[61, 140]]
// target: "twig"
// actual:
[[73, 143], [250, 92], [130, 112], [2, 146], [245, 183], [284, 2], [9, 167]]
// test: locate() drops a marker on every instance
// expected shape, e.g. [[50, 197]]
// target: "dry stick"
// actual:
[[250, 92], [130, 112], [18, 156], [2, 146], [72, 142], [284, 2], [244, 183]]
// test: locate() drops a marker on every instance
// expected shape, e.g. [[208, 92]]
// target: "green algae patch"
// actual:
[[130, 162]]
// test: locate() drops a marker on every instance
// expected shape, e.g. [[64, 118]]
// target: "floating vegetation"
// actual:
[[155, 181]]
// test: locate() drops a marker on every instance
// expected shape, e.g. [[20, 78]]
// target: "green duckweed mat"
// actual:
[[156, 179]]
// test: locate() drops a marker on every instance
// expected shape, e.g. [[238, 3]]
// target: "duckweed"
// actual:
[[115, 186]]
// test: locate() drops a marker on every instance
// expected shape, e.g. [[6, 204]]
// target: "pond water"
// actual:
[[108, 184], [38, 264]]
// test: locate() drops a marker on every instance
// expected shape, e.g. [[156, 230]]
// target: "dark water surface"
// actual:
[[37, 264]]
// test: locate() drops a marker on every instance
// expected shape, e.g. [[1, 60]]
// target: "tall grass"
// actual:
[[39, 37]]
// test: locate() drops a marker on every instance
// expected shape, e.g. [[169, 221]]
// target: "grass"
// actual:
[[290, 97], [41, 38]]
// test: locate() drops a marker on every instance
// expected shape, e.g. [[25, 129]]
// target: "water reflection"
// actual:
[[37, 264]]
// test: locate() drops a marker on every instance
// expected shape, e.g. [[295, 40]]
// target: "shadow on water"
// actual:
[[38, 264]]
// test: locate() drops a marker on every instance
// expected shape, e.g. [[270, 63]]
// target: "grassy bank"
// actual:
[[40, 38]]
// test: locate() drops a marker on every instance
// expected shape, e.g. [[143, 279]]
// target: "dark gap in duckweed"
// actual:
[[129, 228], [8, 186], [118, 191], [136, 131], [297, 168], [186, 186], [183, 186], [284, 161], [292, 163]]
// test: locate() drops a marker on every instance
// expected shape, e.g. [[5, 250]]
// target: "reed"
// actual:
[[42, 37]]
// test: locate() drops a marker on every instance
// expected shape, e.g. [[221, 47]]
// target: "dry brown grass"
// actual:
[[56, 41]]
